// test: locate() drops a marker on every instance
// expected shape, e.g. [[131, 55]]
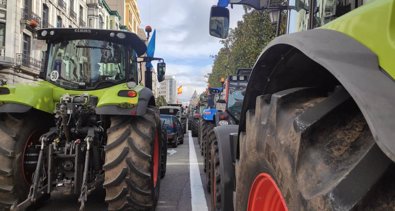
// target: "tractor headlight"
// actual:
[[223, 122]]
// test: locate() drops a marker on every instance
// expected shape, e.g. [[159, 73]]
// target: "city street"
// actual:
[[175, 193]]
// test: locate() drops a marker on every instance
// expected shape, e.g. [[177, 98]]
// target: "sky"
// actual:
[[183, 40]]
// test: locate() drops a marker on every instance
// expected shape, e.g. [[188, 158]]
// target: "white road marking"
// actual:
[[198, 200], [171, 152]]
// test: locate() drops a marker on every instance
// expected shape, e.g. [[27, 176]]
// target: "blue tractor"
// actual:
[[215, 104]]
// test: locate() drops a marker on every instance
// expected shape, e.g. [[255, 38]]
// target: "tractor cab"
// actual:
[[90, 59], [235, 87]]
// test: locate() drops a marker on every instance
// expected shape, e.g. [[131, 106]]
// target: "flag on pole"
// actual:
[[223, 3], [151, 50], [179, 90]]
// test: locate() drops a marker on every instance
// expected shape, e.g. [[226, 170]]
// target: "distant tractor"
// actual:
[[234, 88], [317, 124], [88, 124]]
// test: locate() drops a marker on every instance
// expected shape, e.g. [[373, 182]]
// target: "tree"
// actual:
[[243, 45], [161, 101]]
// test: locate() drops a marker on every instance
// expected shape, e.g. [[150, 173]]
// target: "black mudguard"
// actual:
[[227, 170], [14, 108], [325, 58]]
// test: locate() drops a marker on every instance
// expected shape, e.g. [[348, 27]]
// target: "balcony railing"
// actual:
[[82, 23], [3, 4], [27, 61], [28, 15], [62, 4], [73, 14]]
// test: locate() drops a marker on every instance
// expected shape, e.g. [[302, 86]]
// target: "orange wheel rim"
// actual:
[[265, 195]]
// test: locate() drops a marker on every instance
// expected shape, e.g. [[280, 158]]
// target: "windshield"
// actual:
[[236, 96], [86, 64], [166, 120], [171, 111], [324, 12]]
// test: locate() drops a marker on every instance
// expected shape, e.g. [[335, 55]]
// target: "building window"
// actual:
[[45, 16], [2, 35], [26, 50], [59, 22], [90, 23], [101, 22], [81, 12], [72, 5]]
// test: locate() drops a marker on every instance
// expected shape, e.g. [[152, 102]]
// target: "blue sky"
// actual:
[[183, 40]]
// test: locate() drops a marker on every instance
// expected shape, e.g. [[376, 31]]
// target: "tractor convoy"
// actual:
[[317, 123], [309, 127], [87, 124]]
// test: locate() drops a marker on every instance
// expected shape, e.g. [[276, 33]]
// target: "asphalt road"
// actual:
[[175, 189]]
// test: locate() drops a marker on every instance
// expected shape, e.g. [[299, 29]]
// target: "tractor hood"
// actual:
[[43, 96]]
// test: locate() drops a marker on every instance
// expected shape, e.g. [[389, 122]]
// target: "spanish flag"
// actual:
[[179, 90]]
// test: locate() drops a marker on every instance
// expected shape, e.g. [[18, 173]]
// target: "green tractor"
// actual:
[[317, 125], [87, 125]]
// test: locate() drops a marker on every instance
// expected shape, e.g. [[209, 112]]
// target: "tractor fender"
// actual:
[[145, 99], [324, 58], [227, 170], [14, 108]]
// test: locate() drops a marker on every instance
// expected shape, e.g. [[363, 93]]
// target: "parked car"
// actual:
[[175, 133], [176, 110]]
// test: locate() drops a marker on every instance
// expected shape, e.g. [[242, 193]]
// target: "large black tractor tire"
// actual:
[[17, 133], [194, 127], [132, 167], [163, 160], [200, 136], [317, 150], [190, 119], [216, 192], [222, 169], [208, 137]]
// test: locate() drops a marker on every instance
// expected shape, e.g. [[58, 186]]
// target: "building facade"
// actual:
[[129, 12], [101, 16], [20, 54], [168, 89]]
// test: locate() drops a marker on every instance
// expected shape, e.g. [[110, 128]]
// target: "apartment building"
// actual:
[[168, 89], [20, 55], [101, 16], [130, 14]]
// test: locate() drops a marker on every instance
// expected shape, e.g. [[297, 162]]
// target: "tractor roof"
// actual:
[[123, 37]]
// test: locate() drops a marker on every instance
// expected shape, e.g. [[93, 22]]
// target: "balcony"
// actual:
[[73, 14], [82, 23], [62, 4], [30, 18], [27, 61], [3, 4]]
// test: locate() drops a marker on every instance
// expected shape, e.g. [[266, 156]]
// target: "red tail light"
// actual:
[[173, 125], [223, 116]]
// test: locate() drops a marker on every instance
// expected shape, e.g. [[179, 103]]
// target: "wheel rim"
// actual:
[[27, 171], [155, 165], [265, 195]]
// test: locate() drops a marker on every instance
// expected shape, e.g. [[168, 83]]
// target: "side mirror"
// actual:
[[161, 68], [219, 22]]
